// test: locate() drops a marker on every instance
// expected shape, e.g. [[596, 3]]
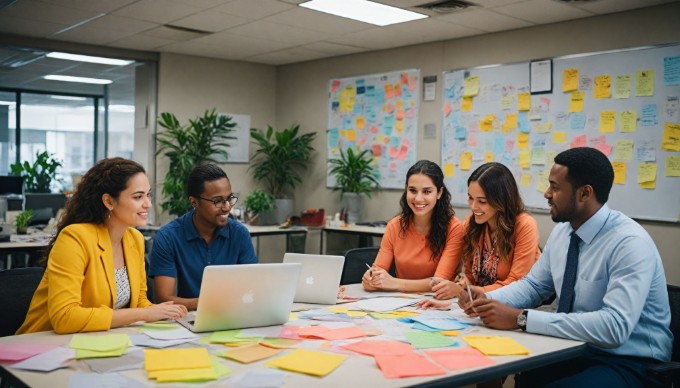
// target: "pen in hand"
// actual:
[[370, 269]]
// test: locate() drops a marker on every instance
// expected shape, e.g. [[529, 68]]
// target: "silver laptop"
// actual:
[[320, 277], [244, 295]]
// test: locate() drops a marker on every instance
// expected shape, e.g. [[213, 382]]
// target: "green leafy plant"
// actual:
[[257, 202], [280, 158], [186, 146], [354, 172], [22, 219], [38, 176]]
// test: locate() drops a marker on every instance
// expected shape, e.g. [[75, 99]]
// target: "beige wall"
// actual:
[[302, 93]]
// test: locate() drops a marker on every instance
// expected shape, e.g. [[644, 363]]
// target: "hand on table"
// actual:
[[495, 314], [444, 289], [429, 304], [464, 299], [165, 310], [378, 278]]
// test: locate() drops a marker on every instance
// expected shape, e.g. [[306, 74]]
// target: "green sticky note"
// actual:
[[99, 343], [426, 340], [85, 353], [228, 336]]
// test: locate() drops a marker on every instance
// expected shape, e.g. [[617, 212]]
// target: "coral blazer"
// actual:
[[78, 291]]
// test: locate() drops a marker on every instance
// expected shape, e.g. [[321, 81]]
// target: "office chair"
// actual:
[[16, 291], [355, 264], [669, 372]]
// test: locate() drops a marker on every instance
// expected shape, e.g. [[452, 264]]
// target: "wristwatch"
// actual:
[[522, 320]]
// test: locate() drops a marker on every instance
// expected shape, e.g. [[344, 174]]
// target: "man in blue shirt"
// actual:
[[618, 303], [204, 236]]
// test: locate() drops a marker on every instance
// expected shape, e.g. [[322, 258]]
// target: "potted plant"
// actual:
[[278, 163], [21, 221], [39, 175], [354, 176], [187, 146], [258, 202]]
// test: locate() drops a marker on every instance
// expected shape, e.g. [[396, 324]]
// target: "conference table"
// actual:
[[356, 370]]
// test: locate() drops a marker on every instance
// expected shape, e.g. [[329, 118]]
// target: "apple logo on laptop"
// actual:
[[310, 280], [248, 297]]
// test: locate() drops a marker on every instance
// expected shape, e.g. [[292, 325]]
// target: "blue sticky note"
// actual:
[[671, 70], [577, 121], [333, 137], [420, 326], [523, 122], [335, 105], [461, 132], [448, 92], [395, 141], [380, 96], [370, 93], [649, 116], [347, 123], [360, 84], [499, 144]]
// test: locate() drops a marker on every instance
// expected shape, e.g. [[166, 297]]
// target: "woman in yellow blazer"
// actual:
[[95, 278]]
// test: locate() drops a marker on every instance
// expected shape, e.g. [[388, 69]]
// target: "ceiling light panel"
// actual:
[[90, 59], [83, 80], [364, 11]]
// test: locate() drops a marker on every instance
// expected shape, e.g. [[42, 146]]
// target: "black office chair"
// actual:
[[669, 372], [355, 264], [16, 291]]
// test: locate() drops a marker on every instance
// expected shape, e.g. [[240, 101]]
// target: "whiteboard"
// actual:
[[628, 126], [377, 112], [238, 148]]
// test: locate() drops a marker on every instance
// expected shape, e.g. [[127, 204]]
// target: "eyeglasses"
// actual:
[[222, 203]]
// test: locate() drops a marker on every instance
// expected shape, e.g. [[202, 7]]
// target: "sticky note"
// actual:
[[622, 86], [409, 365], [671, 137], [459, 358], [166, 359], [542, 181], [466, 104], [424, 340], [646, 172], [559, 137], [526, 180], [607, 121], [377, 348], [576, 102], [623, 150], [448, 170], [627, 121], [496, 346], [644, 83], [99, 343], [510, 122], [471, 86], [602, 86], [522, 140], [569, 80], [523, 101], [672, 166], [620, 169], [308, 362], [250, 353], [465, 160], [488, 156]]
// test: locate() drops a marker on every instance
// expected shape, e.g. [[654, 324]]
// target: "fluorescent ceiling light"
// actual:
[[83, 80], [8, 103], [364, 11], [87, 58], [70, 98]]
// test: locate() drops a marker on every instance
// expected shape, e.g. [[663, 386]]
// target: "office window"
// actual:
[[7, 131]]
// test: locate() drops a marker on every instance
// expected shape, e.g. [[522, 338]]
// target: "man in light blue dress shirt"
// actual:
[[620, 304]]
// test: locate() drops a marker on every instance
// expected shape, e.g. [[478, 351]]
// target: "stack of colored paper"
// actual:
[[250, 353], [308, 362], [496, 346], [194, 364], [93, 346], [407, 365]]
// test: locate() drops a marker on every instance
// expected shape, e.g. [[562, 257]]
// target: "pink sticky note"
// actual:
[[447, 109], [311, 331], [377, 150], [290, 332], [407, 365], [335, 84], [342, 333], [579, 141], [18, 352], [380, 348], [459, 358]]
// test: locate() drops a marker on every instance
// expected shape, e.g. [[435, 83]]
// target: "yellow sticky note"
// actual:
[[623, 150], [644, 83], [466, 104], [671, 137], [496, 346], [308, 362], [351, 135], [450, 333], [673, 165], [523, 101], [628, 121], [486, 124], [622, 86], [569, 80], [506, 102], [526, 180], [488, 156], [525, 159], [542, 181], [176, 375], [251, 353], [559, 137], [522, 140], [399, 125], [576, 102], [471, 86], [620, 170], [465, 160], [448, 170], [166, 359], [99, 343], [510, 122], [360, 123], [646, 172], [607, 120], [603, 85]]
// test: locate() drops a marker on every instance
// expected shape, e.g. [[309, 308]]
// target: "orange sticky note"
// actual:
[[407, 365], [380, 348], [251, 353], [459, 358]]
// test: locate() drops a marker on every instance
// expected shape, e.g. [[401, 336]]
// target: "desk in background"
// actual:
[[359, 230], [31, 249], [356, 370], [290, 233]]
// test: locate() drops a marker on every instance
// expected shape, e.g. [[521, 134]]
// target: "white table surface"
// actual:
[[356, 371]]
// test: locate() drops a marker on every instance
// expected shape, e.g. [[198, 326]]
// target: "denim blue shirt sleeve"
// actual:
[[180, 252], [621, 301]]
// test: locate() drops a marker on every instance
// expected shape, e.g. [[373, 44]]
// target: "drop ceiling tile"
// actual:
[[435, 30], [335, 48], [495, 3], [97, 5], [318, 21], [122, 24], [97, 36], [542, 11], [379, 38], [176, 34], [141, 42], [158, 11], [253, 9], [608, 6], [484, 20], [277, 32], [46, 12], [292, 55], [25, 27], [210, 21]]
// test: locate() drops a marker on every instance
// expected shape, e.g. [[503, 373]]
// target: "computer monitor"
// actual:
[[44, 206], [11, 185]]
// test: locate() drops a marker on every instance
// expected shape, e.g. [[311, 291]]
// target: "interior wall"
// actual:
[[302, 95], [188, 86]]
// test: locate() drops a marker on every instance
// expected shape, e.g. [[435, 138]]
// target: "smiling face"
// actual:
[[422, 195], [206, 212], [131, 208], [561, 195], [480, 206]]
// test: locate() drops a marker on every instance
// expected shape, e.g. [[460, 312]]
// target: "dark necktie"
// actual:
[[567, 294]]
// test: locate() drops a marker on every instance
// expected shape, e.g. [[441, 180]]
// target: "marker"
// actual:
[[369, 267], [469, 292]]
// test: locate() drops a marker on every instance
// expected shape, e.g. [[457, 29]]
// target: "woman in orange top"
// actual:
[[95, 278], [501, 239], [424, 241]]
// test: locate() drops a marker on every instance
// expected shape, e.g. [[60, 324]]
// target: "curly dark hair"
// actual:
[[199, 175], [441, 214], [588, 166], [500, 190], [108, 176]]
